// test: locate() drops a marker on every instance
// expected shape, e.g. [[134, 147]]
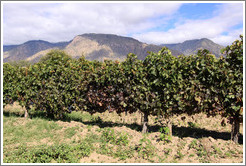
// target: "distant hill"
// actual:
[[8, 47], [108, 46], [100, 47], [92, 46], [192, 46], [28, 49]]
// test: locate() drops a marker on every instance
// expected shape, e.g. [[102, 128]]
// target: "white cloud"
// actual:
[[63, 21], [227, 39], [228, 16]]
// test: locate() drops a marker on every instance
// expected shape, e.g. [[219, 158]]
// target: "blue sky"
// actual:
[[155, 23], [198, 10]]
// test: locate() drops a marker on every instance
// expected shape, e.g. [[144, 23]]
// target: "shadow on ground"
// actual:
[[177, 131], [181, 132]]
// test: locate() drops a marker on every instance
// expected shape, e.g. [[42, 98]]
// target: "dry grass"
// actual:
[[196, 139]]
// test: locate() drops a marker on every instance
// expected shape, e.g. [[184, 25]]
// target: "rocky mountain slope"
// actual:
[[107, 46], [100, 47], [192, 46], [92, 46], [28, 49]]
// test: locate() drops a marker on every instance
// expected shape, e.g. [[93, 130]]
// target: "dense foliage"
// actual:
[[161, 85]]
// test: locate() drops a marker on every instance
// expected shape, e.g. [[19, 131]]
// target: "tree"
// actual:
[[232, 91], [137, 90], [55, 86], [9, 84], [164, 84]]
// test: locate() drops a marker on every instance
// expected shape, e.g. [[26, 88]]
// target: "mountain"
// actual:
[[102, 46], [189, 47], [9, 47], [28, 49], [92, 46], [108, 46]]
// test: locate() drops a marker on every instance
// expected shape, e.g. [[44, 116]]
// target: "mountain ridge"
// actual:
[[189, 47], [27, 49], [94, 47]]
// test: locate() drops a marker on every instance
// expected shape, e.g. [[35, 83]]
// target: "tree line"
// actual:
[[161, 84]]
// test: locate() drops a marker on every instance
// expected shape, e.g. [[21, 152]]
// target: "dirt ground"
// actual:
[[216, 149], [196, 139]]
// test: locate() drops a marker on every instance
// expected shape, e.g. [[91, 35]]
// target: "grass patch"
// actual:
[[71, 131], [124, 152], [193, 125], [105, 149], [179, 155], [110, 136], [111, 143], [145, 148], [43, 125], [217, 150], [63, 153], [80, 117], [25, 130]]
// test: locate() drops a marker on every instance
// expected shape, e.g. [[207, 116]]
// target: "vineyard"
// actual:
[[161, 86]]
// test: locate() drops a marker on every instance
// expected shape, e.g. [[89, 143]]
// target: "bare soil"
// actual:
[[196, 139]]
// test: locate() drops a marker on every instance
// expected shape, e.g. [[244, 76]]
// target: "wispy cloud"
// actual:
[[226, 18]]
